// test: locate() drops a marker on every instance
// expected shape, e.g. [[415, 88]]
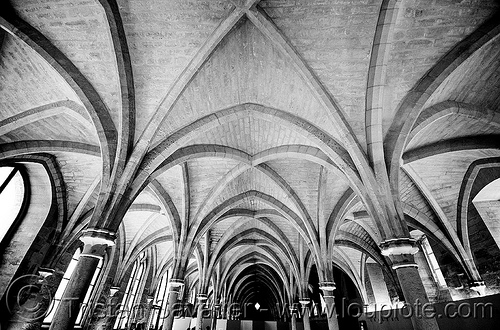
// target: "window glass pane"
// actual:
[[71, 268], [11, 199], [323, 304], [137, 280], [4, 173], [161, 289], [165, 297], [123, 315], [436, 270]]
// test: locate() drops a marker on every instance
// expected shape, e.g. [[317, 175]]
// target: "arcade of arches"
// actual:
[[248, 153]]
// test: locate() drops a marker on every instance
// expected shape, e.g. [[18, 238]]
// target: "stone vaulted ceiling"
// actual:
[[232, 128]]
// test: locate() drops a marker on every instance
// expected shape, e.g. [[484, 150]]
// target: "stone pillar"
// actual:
[[294, 318], [202, 298], [175, 286], [305, 312], [112, 307], [213, 326], [378, 285], [96, 241], [331, 314], [401, 252]]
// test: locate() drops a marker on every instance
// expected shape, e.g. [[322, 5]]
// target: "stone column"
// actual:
[[331, 314], [305, 312], [175, 286], [112, 307], [215, 310], [202, 298], [401, 252], [293, 318], [96, 241]]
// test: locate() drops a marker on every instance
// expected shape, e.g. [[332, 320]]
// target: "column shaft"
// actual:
[[199, 316], [96, 241], [305, 318], [294, 321], [213, 326], [414, 293], [305, 309], [401, 252], [202, 298], [331, 314], [67, 311], [171, 307]]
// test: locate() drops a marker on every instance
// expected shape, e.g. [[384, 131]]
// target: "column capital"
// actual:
[[96, 236], [398, 246], [176, 282], [45, 272], [96, 241], [113, 290], [304, 301], [403, 264], [202, 297], [403, 261], [327, 286]]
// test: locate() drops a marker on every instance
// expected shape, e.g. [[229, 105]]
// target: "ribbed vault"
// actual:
[[240, 144]]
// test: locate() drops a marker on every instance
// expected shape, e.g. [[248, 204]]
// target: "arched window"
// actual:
[[12, 193], [130, 294], [160, 302], [162, 295], [192, 298], [64, 283], [432, 262], [322, 305], [490, 192], [487, 204]]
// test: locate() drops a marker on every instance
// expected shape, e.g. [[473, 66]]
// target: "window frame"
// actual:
[[160, 302]]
